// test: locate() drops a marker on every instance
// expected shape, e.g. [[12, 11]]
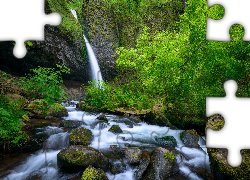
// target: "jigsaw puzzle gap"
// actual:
[[234, 157], [19, 49], [230, 88]]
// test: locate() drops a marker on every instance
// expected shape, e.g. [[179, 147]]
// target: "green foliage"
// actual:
[[179, 67], [69, 25], [10, 126], [92, 174], [47, 83], [216, 12], [169, 156]]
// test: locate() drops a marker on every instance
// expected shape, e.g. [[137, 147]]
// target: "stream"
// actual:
[[43, 163]]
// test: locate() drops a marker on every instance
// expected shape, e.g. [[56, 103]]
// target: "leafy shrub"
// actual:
[[10, 126], [47, 82]]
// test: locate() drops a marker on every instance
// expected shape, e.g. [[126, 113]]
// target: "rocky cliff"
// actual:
[[106, 27]]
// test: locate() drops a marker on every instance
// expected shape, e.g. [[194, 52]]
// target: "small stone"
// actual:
[[133, 155], [115, 129]]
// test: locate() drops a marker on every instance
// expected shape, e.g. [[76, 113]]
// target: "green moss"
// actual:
[[74, 158], [69, 25], [26, 118], [92, 174], [166, 138], [81, 136], [229, 172], [115, 129], [182, 134], [37, 106], [56, 107], [193, 132], [169, 156]]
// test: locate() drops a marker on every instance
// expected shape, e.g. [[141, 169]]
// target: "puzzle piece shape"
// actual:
[[236, 114], [236, 12], [28, 20]]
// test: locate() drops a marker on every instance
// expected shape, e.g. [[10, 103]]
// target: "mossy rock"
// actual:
[[117, 166], [102, 117], [215, 122], [166, 141], [80, 157], [170, 156], [222, 170], [92, 173], [81, 136], [163, 165], [133, 155], [190, 138], [81, 106], [57, 110], [37, 107], [115, 129], [141, 168], [71, 123], [40, 110], [17, 100]]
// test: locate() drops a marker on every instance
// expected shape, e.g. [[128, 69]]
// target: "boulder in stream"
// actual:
[[81, 136], [115, 129], [71, 123], [190, 138], [80, 157], [102, 117], [162, 165], [133, 155], [141, 168], [37, 106], [93, 173], [166, 141], [117, 167], [61, 113]]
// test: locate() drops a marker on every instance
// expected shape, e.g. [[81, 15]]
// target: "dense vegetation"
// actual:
[[44, 84], [169, 72], [172, 71]]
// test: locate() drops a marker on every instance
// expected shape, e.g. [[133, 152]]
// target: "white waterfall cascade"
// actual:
[[95, 69]]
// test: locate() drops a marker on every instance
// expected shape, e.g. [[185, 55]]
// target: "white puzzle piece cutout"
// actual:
[[235, 134], [27, 19], [236, 12]]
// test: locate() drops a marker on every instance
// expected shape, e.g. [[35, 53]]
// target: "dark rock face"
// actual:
[[117, 167], [141, 168], [56, 48], [99, 28], [80, 157], [160, 166], [190, 138], [166, 141], [133, 155], [115, 129], [102, 117]]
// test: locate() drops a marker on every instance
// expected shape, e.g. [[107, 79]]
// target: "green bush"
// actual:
[[47, 83], [181, 68], [10, 125]]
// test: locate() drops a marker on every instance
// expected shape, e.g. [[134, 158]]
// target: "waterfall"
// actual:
[[95, 69]]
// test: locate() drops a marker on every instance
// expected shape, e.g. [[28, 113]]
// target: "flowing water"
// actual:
[[95, 69], [43, 163]]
